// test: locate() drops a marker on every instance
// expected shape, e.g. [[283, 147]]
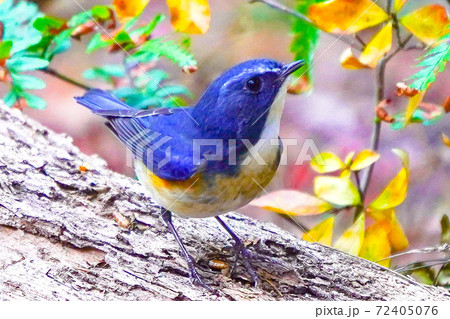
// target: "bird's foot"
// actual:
[[242, 251], [194, 276]]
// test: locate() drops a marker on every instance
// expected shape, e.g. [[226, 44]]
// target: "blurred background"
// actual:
[[337, 114]]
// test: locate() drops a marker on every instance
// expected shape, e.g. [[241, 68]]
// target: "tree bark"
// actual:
[[68, 233]]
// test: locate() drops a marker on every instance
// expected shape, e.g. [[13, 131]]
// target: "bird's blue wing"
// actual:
[[149, 134], [164, 150]]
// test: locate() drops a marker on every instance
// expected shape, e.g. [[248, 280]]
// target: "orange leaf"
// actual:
[[349, 61], [376, 245], [326, 162], [427, 23], [300, 85], [392, 226], [364, 159], [351, 241], [445, 139], [346, 16], [190, 16], [292, 202], [321, 233], [405, 90], [374, 51], [129, 8], [395, 192]]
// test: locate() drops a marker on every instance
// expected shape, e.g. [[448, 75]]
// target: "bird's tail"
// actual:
[[103, 103]]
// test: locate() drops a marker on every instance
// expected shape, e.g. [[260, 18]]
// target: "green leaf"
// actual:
[[445, 227], [27, 82], [105, 73], [48, 25], [10, 98], [5, 6], [167, 49], [33, 101], [148, 29], [152, 79], [59, 44], [97, 43], [21, 64], [122, 37], [433, 62], [101, 12], [173, 90], [79, 19], [304, 43], [17, 24], [5, 48]]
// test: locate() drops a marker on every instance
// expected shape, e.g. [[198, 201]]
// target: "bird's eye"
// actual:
[[254, 84]]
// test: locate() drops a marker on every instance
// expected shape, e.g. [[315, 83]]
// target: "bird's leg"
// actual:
[[240, 250], [193, 274]]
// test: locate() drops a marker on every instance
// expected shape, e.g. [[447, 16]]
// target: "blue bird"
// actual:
[[211, 158]]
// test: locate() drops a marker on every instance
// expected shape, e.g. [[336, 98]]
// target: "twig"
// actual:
[[435, 262], [379, 96], [281, 7], [62, 77], [295, 223], [443, 248], [358, 38]]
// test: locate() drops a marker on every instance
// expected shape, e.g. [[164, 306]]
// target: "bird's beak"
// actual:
[[290, 68]]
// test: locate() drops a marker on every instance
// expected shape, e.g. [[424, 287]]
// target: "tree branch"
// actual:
[[65, 78], [96, 235]]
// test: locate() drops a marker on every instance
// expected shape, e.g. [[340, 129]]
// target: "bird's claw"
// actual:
[[243, 252], [194, 276]]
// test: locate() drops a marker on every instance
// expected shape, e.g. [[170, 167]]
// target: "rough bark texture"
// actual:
[[60, 238]]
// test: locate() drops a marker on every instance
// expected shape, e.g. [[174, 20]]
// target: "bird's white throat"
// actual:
[[271, 128]]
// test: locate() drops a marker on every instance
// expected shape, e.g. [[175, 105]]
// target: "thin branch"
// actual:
[[434, 263], [379, 96], [64, 78], [281, 7], [358, 38]]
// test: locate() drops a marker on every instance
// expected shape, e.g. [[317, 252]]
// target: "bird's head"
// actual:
[[243, 96]]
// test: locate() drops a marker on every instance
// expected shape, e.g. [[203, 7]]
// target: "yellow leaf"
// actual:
[[397, 236], [190, 16], [321, 233], [413, 104], [373, 52], [377, 47], [427, 23], [403, 155], [349, 158], [364, 159], [351, 241], [346, 173], [376, 245], [395, 192], [129, 8], [445, 139], [336, 190], [392, 226], [398, 4], [326, 162], [346, 16], [349, 61], [292, 202]]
